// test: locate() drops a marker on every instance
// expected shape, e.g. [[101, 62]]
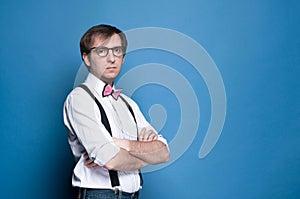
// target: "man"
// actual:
[[112, 144]]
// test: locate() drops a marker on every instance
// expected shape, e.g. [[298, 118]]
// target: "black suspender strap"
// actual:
[[114, 179], [129, 107]]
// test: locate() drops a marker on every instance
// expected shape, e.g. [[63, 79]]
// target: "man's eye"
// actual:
[[118, 50], [101, 51]]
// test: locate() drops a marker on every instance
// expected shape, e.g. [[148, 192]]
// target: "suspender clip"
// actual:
[[117, 190]]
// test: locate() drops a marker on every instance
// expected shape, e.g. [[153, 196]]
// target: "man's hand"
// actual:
[[147, 135], [90, 163]]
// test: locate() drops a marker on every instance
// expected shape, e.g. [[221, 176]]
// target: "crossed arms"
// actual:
[[136, 154]]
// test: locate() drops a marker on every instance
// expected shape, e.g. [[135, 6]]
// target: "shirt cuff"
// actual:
[[163, 140], [105, 153]]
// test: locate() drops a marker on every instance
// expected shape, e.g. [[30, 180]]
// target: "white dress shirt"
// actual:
[[88, 135]]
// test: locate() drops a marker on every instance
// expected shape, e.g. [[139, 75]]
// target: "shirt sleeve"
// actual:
[[84, 117]]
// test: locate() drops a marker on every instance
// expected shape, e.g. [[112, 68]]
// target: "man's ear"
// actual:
[[86, 59]]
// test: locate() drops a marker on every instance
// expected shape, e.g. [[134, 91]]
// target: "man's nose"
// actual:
[[110, 56]]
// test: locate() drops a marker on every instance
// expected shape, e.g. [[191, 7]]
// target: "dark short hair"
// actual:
[[103, 31]]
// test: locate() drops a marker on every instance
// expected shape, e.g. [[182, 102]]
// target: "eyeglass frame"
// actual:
[[108, 49]]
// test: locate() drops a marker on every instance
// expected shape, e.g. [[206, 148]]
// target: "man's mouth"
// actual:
[[110, 67]]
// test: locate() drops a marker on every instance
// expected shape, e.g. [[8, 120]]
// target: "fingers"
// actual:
[[89, 162], [142, 132], [147, 136], [152, 136]]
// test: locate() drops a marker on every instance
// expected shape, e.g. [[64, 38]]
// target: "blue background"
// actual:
[[255, 45]]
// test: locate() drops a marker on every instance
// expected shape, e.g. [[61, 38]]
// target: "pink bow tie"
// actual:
[[108, 90]]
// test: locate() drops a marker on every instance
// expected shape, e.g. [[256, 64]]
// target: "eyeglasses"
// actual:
[[102, 51]]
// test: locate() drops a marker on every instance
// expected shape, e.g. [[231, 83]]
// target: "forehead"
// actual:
[[112, 41]]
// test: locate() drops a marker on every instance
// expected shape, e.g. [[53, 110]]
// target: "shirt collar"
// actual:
[[95, 83]]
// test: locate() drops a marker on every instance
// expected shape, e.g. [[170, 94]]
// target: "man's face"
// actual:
[[105, 68]]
